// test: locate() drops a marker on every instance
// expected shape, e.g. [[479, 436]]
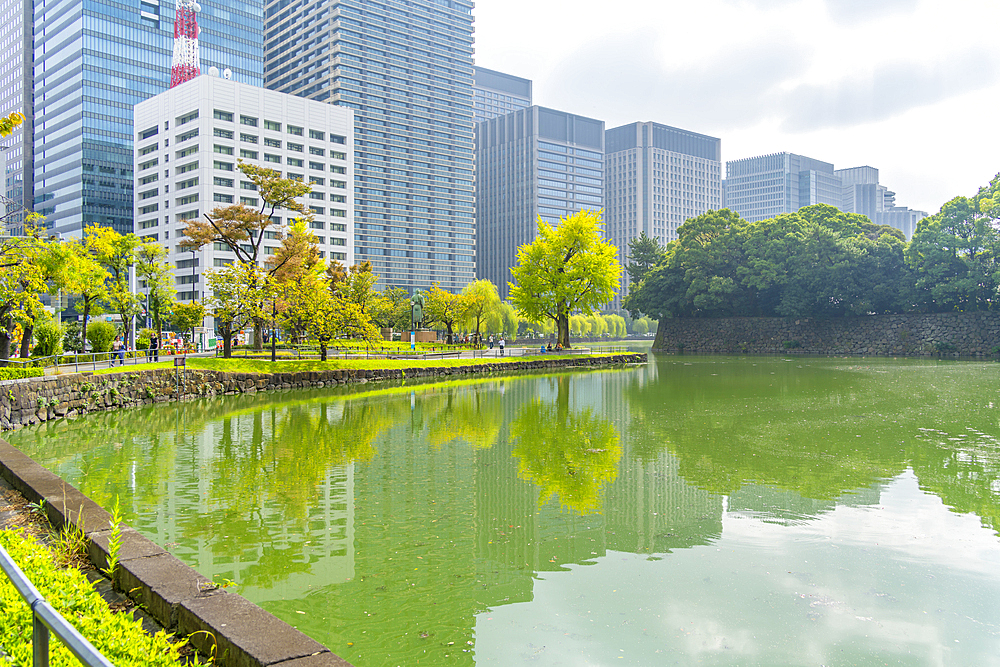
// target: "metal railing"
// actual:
[[95, 360], [45, 619]]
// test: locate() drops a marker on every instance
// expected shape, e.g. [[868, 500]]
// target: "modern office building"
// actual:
[[657, 177], [530, 164], [405, 68], [94, 60], [16, 95], [495, 93], [188, 142], [762, 187]]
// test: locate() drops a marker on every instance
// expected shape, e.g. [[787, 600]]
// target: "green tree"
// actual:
[[482, 307], [117, 253], [565, 269], [391, 309], [48, 337], [184, 317], [101, 335], [158, 282], [238, 294], [77, 272], [326, 314], [22, 278], [243, 230], [644, 253], [444, 307]]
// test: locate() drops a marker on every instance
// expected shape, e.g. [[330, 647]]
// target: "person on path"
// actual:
[[491, 341], [118, 353], [154, 347], [501, 345]]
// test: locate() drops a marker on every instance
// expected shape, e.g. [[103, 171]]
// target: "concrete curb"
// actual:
[[179, 598]]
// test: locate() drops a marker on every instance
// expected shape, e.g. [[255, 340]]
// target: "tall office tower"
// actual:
[[495, 93], [657, 177], [16, 73], [530, 164], [94, 61], [762, 187], [405, 67], [188, 140]]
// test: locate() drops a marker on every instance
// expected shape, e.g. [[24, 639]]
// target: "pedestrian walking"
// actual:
[[491, 341], [154, 347], [501, 345], [119, 350]]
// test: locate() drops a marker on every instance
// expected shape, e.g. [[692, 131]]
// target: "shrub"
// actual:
[[48, 338], [19, 373], [144, 338], [100, 335], [791, 344], [71, 338]]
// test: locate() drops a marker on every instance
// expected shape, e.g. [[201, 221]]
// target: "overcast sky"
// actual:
[[911, 87]]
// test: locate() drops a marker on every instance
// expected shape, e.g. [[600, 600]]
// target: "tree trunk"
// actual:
[[450, 338], [322, 351], [29, 331], [227, 344], [258, 334], [562, 330], [5, 336]]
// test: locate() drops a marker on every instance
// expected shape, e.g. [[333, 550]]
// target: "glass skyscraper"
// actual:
[[93, 61], [15, 95], [495, 93], [405, 67]]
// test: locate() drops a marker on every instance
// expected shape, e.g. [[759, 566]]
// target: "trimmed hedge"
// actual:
[[19, 373], [120, 638]]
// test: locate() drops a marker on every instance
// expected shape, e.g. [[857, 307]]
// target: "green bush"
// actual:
[[100, 335], [118, 636], [48, 338], [144, 338], [19, 373], [791, 344], [71, 338]]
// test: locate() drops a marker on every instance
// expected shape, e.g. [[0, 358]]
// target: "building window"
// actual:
[[190, 183], [338, 184], [249, 155], [225, 134], [149, 149], [316, 180], [190, 199], [296, 177], [317, 151], [272, 143], [147, 165], [249, 201], [248, 138], [317, 195], [224, 166], [146, 224], [247, 185], [187, 215], [149, 194], [248, 120], [187, 135], [190, 150], [151, 132], [316, 134], [187, 118], [191, 166], [337, 139], [272, 125], [298, 148], [338, 170], [270, 157], [219, 263], [318, 210], [223, 115], [223, 182], [223, 150], [338, 227], [146, 180], [225, 199], [318, 166], [337, 213], [315, 224], [293, 162], [149, 209], [294, 129], [336, 155], [334, 240]]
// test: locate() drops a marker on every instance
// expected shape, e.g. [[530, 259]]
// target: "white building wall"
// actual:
[[188, 141]]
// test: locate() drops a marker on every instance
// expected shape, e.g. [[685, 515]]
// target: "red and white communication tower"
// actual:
[[186, 64]]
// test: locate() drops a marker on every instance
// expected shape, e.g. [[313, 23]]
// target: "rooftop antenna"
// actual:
[[186, 64]]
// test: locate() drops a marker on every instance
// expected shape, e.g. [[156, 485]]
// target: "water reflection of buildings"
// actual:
[[788, 507]]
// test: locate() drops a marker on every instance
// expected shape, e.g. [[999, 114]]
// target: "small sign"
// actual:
[[179, 361]]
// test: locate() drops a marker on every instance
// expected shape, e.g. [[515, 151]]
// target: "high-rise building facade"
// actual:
[[657, 177], [94, 60], [530, 164], [189, 140], [16, 95], [405, 68], [762, 187], [495, 93]]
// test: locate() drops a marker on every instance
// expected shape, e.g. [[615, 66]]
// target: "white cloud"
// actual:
[[908, 86]]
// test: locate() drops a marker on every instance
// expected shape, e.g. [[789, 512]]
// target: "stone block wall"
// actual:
[[34, 400], [948, 334]]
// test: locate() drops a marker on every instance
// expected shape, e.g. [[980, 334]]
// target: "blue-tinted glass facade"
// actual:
[[93, 62], [15, 95], [405, 67]]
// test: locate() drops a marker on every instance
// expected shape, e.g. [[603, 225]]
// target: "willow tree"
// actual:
[[565, 269]]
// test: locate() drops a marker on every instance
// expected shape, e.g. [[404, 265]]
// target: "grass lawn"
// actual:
[[263, 366]]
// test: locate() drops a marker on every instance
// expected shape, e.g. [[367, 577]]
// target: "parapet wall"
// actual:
[[34, 400], [946, 334]]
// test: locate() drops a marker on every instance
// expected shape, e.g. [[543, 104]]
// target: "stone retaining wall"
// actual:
[[34, 400], [948, 334]]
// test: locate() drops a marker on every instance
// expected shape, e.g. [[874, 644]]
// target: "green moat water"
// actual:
[[709, 511]]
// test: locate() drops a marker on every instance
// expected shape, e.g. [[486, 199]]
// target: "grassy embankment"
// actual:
[[300, 366]]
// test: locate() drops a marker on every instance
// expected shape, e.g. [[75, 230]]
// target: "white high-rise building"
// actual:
[[187, 143]]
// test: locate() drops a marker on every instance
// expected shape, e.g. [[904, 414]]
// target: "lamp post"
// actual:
[[194, 291], [274, 332]]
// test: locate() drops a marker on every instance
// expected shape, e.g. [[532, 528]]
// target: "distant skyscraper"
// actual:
[[94, 61], [495, 93], [762, 187], [532, 163], [16, 73], [405, 67], [657, 177]]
